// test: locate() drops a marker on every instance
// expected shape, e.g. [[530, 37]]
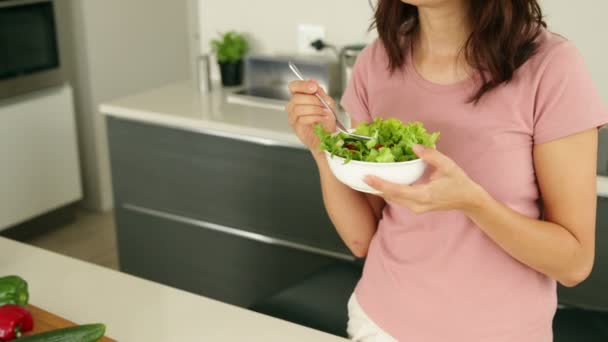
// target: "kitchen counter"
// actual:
[[134, 309], [178, 105], [223, 197]]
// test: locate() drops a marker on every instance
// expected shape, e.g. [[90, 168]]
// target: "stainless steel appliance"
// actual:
[[29, 58], [348, 57], [267, 78]]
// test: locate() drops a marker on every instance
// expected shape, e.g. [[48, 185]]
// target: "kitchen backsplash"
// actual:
[[273, 24]]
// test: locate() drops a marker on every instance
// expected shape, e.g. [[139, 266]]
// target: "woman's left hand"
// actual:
[[449, 187]]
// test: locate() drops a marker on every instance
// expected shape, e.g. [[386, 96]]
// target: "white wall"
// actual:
[[115, 48], [584, 22], [273, 24]]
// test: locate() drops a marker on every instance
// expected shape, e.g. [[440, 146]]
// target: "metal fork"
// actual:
[[339, 125]]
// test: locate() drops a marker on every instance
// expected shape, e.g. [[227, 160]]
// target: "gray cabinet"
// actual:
[[228, 219], [602, 157], [592, 293], [270, 190], [232, 269]]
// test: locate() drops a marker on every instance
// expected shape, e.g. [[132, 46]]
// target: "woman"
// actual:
[[473, 253]]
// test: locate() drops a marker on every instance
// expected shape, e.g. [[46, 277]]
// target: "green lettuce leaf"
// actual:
[[392, 141]]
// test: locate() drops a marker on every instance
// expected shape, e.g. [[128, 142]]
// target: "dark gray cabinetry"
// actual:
[[593, 292], [235, 270], [228, 219], [602, 158]]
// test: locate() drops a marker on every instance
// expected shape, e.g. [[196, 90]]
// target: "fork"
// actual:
[[339, 125]]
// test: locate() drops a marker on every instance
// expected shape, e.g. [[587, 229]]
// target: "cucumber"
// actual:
[[82, 333]]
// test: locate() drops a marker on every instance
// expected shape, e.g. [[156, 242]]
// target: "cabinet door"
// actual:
[[39, 167], [231, 269], [270, 190], [593, 293]]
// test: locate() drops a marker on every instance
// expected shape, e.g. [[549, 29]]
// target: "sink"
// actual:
[[262, 97], [265, 97], [269, 93], [267, 78]]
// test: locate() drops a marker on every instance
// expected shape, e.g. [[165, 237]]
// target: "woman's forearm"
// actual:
[[349, 210], [544, 246]]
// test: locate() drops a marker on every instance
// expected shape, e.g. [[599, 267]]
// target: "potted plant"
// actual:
[[229, 49]]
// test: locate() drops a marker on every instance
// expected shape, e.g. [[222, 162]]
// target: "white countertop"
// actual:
[[134, 309], [179, 105], [602, 186]]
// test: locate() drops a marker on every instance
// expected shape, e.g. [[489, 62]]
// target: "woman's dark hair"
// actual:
[[503, 36]]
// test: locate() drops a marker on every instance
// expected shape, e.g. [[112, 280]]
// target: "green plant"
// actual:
[[230, 47]]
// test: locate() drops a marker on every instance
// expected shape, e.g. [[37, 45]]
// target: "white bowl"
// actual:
[[353, 173]]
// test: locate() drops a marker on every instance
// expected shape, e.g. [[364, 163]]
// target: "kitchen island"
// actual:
[[181, 107], [215, 198], [134, 309]]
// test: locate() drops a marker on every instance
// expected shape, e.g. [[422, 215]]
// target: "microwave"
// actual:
[[29, 58]]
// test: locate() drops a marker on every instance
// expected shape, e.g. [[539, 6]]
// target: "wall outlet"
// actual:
[[308, 34]]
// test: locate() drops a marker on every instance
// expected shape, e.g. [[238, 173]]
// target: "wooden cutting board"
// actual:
[[46, 321]]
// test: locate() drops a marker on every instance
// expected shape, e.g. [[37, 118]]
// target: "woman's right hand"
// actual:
[[306, 111]]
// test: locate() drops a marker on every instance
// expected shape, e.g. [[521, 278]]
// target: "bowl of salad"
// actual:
[[387, 155]]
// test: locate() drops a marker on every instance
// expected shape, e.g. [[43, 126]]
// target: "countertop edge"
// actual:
[[249, 134], [602, 186], [119, 294]]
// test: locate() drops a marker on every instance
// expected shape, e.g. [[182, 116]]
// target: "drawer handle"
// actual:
[[238, 232]]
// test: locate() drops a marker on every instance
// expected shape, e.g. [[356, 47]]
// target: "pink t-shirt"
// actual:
[[437, 277]]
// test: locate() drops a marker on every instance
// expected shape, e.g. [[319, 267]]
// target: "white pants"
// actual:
[[361, 328]]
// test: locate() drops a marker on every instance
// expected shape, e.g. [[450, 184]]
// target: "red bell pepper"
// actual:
[[14, 320]]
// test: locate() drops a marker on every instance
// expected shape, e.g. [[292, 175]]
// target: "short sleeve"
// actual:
[[355, 97], [567, 102]]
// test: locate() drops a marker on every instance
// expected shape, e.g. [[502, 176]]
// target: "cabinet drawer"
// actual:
[[210, 263], [270, 190]]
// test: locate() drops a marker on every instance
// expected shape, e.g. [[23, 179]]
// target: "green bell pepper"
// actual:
[[13, 290]]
